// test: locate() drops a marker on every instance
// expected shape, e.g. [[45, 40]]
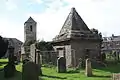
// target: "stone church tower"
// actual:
[[29, 35], [30, 30]]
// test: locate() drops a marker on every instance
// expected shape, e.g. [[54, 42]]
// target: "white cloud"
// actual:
[[55, 4], [30, 2], [11, 30], [11, 4], [49, 23], [39, 1], [100, 14]]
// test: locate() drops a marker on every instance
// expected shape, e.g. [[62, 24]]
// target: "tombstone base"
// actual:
[[88, 70], [30, 71], [62, 71], [9, 70], [89, 74], [61, 65], [39, 70]]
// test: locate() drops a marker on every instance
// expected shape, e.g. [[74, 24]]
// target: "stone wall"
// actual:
[[79, 48], [67, 51], [76, 50], [30, 35], [68, 55]]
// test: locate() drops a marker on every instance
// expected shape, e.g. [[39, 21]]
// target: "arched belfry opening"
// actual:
[[31, 28]]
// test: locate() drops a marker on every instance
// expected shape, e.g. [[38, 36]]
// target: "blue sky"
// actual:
[[50, 15]]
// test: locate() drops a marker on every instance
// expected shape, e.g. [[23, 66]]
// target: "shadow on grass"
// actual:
[[1, 69], [54, 77], [73, 71], [101, 76], [17, 76], [2, 63], [112, 68]]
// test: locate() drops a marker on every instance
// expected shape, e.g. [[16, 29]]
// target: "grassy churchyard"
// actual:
[[51, 73]]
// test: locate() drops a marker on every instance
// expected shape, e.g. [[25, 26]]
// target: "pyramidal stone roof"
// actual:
[[75, 28], [74, 22], [30, 19]]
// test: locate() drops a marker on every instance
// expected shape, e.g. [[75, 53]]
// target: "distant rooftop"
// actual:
[[112, 38]]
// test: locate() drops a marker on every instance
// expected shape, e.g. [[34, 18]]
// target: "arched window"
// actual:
[[30, 27]]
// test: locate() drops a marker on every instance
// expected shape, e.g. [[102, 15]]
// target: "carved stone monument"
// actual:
[[88, 69]]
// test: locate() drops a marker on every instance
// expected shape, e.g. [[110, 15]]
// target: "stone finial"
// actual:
[[72, 10]]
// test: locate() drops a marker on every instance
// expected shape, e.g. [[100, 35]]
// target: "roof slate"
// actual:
[[74, 22]]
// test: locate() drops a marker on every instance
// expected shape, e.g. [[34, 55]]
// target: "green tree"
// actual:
[[3, 46], [44, 46]]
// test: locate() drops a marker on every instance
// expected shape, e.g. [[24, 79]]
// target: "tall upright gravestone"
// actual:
[[116, 76], [88, 69], [61, 65], [30, 71], [38, 61], [9, 69]]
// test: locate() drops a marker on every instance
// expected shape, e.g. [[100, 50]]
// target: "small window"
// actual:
[[30, 27]]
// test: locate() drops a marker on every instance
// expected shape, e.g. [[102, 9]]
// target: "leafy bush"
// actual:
[[3, 46]]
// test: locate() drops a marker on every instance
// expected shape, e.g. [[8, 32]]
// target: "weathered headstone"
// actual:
[[79, 64], [41, 58], [61, 65], [116, 76], [30, 71], [37, 57], [38, 61], [11, 54], [19, 56], [33, 52], [9, 69], [88, 69]]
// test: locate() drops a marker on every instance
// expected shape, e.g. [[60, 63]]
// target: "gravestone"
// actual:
[[9, 69], [88, 69], [61, 65], [30, 71], [19, 56], [33, 52], [79, 66], [116, 76], [38, 61]]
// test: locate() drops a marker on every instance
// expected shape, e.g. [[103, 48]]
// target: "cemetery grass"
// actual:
[[50, 73], [18, 74]]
